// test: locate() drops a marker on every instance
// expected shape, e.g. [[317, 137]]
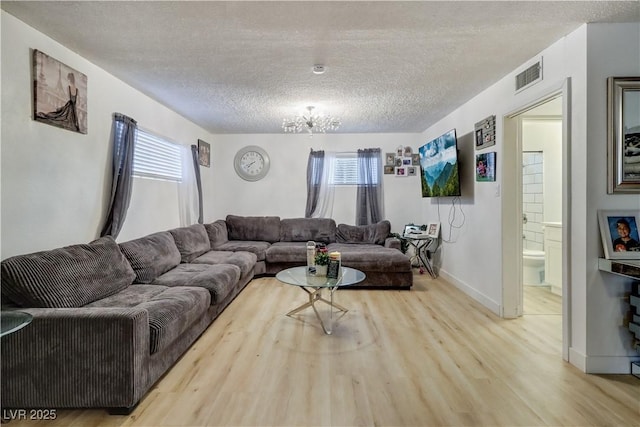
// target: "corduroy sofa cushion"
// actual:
[[217, 232], [219, 280], [364, 234], [305, 229], [72, 276], [192, 241], [152, 255], [253, 228]]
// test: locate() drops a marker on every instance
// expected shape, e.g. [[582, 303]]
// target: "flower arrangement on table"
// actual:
[[322, 257], [322, 261]]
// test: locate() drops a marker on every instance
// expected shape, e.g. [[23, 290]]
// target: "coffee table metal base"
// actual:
[[315, 294]]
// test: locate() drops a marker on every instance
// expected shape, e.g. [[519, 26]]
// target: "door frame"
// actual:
[[512, 298]]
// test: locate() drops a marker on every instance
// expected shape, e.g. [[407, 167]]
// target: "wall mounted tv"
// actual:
[[439, 166]]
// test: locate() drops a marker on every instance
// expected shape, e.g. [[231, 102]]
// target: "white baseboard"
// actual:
[[610, 364], [577, 359], [492, 305]]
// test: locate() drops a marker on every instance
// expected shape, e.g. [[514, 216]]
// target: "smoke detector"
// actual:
[[318, 69]]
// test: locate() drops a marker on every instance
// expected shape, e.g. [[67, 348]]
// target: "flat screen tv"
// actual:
[[439, 166]]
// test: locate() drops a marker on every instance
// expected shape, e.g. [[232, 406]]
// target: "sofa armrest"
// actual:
[[392, 242], [77, 358]]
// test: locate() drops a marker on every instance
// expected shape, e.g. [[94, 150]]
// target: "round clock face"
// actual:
[[251, 163]]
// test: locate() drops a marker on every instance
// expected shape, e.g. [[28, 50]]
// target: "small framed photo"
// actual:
[[398, 161], [389, 170], [408, 151], [204, 153], [390, 159], [619, 232], [415, 159], [433, 230], [479, 140], [411, 229], [486, 167], [412, 171], [401, 171], [399, 151], [406, 161]]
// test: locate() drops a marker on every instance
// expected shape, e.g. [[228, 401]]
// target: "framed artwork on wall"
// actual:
[[623, 135], [486, 167], [59, 94], [401, 171], [390, 159], [619, 233], [204, 153], [485, 132]]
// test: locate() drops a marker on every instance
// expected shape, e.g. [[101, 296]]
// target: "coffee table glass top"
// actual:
[[298, 276], [11, 321]]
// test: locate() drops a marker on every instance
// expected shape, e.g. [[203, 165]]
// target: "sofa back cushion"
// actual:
[[217, 232], [305, 229], [192, 241], [254, 228], [368, 234], [152, 255], [71, 276]]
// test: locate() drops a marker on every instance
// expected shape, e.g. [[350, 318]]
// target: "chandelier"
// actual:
[[310, 122]]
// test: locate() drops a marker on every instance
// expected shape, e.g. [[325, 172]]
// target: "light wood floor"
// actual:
[[540, 300], [426, 357]]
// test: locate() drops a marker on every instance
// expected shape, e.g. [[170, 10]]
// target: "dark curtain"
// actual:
[[124, 137], [369, 197], [315, 165], [196, 165]]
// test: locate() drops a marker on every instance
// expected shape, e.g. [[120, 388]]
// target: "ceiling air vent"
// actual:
[[530, 76]]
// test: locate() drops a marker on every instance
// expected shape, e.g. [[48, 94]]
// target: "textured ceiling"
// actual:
[[241, 67]]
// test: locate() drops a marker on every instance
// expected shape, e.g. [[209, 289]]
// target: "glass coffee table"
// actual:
[[314, 286]]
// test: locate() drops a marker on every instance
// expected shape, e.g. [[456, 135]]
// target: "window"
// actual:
[[156, 157], [345, 171]]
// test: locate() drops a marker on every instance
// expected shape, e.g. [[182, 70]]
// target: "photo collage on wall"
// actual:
[[402, 163], [485, 136]]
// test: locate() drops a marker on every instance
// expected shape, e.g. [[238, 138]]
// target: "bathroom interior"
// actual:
[[542, 208]]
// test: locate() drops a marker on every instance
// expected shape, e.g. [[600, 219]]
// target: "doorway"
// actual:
[[541, 136], [550, 111]]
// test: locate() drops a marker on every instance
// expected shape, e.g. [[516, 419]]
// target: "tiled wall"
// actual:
[[532, 201]]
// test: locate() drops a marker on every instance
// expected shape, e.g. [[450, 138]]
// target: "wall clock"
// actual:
[[251, 163]]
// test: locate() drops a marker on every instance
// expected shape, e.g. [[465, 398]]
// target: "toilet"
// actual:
[[532, 267]]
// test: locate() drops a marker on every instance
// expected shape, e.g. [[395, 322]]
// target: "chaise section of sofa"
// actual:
[[368, 248]]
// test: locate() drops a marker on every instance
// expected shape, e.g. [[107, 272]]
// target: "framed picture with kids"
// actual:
[[619, 232]]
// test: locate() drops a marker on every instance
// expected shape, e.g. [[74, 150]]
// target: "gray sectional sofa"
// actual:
[[110, 319]]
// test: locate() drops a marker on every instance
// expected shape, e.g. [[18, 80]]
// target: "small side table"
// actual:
[[12, 321], [423, 246]]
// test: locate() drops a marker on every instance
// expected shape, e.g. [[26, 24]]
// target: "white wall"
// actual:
[[546, 135], [283, 191], [55, 182], [612, 50], [473, 262]]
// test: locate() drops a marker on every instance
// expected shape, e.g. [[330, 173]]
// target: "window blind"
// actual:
[[346, 170], [156, 157]]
